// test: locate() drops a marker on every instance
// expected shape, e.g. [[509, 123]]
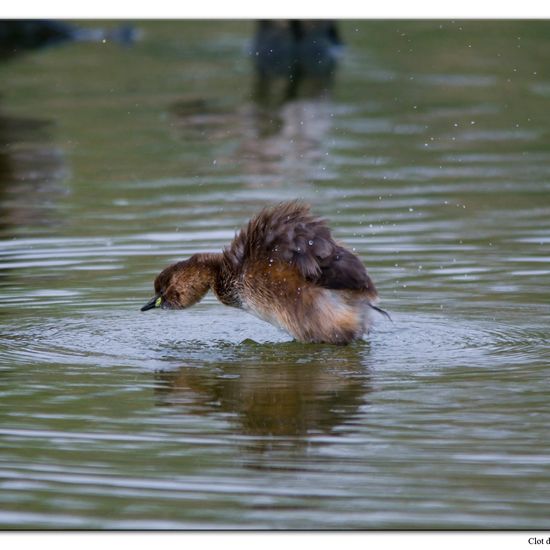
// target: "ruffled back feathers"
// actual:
[[289, 233]]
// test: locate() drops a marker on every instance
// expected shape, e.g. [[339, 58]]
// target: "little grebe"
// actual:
[[285, 268]]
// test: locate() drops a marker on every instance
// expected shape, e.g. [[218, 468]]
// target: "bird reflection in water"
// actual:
[[281, 134], [277, 395]]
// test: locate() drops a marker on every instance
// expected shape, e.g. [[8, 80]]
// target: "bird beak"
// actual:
[[154, 302]]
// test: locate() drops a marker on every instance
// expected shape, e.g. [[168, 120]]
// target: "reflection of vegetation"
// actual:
[[31, 173], [283, 391]]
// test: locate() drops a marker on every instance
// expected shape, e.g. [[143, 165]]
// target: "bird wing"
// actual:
[[344, 270], [288, 232]]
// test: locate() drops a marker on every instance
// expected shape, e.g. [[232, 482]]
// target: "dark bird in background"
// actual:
[[294, 58], [18, 35]]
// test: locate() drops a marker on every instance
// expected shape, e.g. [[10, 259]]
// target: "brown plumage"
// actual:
[[284, 267]]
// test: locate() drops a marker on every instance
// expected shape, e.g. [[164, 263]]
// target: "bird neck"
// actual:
[[210, 265]]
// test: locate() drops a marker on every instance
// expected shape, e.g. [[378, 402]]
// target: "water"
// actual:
[[430, 156]]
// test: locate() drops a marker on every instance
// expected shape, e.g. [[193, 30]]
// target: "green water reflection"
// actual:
[[429, 152]]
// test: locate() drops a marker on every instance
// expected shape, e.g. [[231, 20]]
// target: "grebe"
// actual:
[[285, 268]]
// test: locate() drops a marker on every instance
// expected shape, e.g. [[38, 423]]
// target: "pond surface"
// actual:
[[430, 154]]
